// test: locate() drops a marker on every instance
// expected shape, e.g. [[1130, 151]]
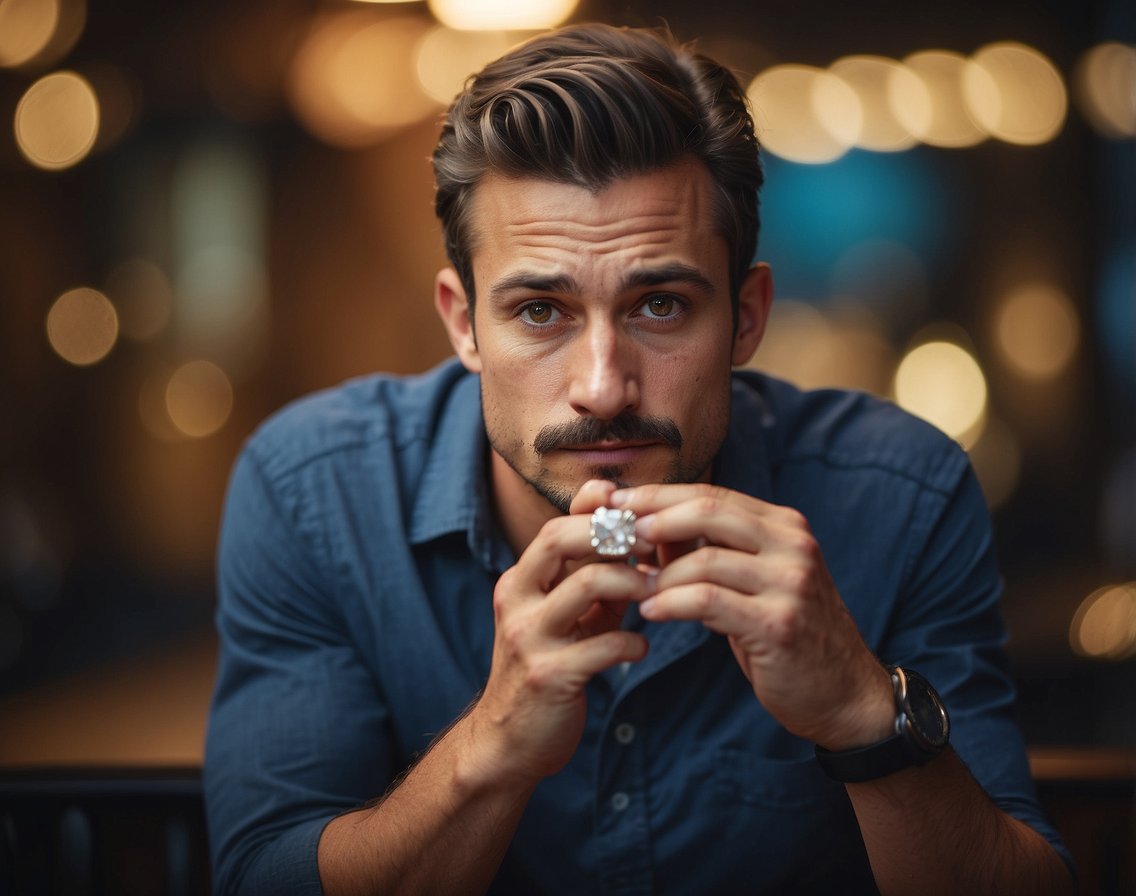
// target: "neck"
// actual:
[[521, 510]]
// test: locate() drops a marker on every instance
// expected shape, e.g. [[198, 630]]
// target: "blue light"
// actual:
[[812, 214]]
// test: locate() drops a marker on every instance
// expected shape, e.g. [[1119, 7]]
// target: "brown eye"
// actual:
[[539, 312], [661, 306]]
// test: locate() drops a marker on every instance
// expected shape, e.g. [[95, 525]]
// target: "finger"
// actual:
[[587, 658], [720, 609], [560, 540], [736, 570], [707, 519], [653, 497], [597, 582], [592, 494]]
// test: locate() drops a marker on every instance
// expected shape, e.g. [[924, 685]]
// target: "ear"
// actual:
[[754, 299], [453, 307]]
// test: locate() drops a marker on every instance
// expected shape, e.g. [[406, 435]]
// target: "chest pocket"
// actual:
[[792, 826]]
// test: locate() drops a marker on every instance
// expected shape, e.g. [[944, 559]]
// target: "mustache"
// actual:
[[624, 428]]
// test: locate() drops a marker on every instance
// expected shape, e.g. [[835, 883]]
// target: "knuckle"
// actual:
[[539, 675], [706, 560], [708, 505], [553, 533], [796, 579], [705, 597], [781, 626]]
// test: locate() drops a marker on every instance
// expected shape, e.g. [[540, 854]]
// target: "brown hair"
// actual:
[[587, 105]]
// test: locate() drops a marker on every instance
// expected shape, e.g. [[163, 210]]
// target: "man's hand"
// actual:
[[557, 615], [752, 571]]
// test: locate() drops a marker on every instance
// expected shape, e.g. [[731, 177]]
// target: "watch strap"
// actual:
[[872, 761], [900, 750]]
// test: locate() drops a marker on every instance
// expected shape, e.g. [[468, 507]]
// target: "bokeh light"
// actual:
[[1105, 85], [199, 398], [870, 77], [143, 296], [1015, 93], [26, 27], [805, 114], [82, 326], [352, 81], [1037, 330], [941, 382], [57, 121], [931, 105], [475, 15], [445, 57], [1104, 626], [814, 349]]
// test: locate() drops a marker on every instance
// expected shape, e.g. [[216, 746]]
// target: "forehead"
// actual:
[[659, 214]]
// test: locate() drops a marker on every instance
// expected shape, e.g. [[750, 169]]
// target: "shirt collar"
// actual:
[[453, 494], [743, 461]]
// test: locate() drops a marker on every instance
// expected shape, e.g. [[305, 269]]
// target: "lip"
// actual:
[[609, 453]]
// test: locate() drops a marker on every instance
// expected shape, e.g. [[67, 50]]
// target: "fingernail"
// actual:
[[647, 606], [619, 498]]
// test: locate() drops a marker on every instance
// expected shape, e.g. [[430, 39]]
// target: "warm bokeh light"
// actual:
[[1037, 330], [870, 77], [997, 460], [1105, 85], [494, 15], [1104, 626], [26, 27], [143, 296], [931, 105], [39, 32], [352, 81], [445, 57], [814, 350], [1015, 93], [942, 383], [82, 326], [199, 398], [805, 114], [57, 121]]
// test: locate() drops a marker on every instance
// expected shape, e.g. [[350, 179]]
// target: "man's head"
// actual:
[[591, 104], [598, 190]]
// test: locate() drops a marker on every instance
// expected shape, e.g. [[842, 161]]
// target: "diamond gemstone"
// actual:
[[613, 532]]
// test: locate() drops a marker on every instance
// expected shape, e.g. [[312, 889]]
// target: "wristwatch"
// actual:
[[922, 729]]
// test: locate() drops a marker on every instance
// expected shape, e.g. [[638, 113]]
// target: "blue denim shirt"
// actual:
[[357, 562]]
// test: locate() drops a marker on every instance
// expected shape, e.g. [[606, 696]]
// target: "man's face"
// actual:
[[604, 330]]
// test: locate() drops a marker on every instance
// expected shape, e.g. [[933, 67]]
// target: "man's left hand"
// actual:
[[753, 571]]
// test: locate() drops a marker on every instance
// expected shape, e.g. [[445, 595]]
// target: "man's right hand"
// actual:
[[557, 615]]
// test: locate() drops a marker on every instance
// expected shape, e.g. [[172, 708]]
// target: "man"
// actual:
[[447, 668]]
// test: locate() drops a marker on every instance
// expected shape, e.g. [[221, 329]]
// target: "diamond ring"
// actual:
[[613, 532]]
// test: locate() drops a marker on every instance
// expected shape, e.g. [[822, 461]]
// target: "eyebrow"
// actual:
[[562, 283]]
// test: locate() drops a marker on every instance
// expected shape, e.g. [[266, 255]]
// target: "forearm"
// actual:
[[443, 829], [932, 829]]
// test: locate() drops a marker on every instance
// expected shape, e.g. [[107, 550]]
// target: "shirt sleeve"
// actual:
[[953, 633], [298, 728]]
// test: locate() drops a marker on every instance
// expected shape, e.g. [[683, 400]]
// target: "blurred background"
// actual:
[[210, 208]]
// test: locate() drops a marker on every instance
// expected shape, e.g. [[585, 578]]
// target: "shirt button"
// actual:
[[620, 801], [625, 733]]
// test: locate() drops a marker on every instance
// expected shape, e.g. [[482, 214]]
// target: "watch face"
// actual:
[[928, 717]]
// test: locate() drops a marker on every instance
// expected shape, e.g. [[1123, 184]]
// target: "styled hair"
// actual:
[[588, 105]]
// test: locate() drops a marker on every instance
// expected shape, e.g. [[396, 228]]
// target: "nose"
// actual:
[[605, 372]]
